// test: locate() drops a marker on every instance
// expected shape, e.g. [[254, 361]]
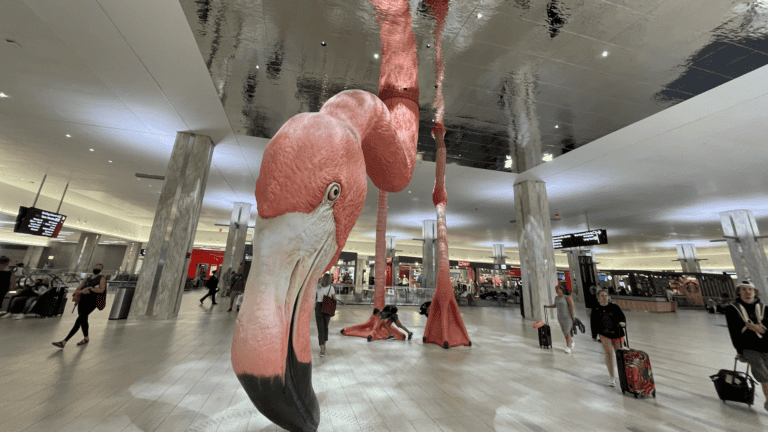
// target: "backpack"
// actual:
[[759, 313]]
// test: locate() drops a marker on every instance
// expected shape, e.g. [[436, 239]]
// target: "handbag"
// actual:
[[329, 305], [101, 300]]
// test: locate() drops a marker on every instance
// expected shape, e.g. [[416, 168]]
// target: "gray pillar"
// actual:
[[429, 255], [32, 257], [498, 254], [575, 275], [164, 271], [131, 258], [747, 253], [537, 255], [81, 259], [518, 100], [238, 230], [686, 254]]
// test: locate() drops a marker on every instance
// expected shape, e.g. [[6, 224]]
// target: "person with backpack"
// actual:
[[324, 288], [237, 282], [747, 320], [608, 321], [90, 294], [213, 285]]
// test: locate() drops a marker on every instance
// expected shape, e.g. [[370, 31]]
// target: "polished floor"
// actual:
[[176, 376]]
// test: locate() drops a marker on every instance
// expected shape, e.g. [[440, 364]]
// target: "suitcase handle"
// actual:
[[736, 362], [546, 316]]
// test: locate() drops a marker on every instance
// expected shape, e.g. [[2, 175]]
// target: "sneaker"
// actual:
[[573, 344], [391, 337], [229, 310], [201, 302], [322, 353], [567, 350], [410, 335], [3, 314], [19, 316], [612, 381]]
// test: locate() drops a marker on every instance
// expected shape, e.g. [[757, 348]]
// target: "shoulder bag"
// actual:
[[329, 304]]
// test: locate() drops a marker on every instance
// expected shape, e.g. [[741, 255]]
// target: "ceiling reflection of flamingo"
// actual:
[[310, 192]]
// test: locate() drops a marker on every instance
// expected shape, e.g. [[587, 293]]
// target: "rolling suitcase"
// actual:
[[545, 333], [732, 385], [635, 374]]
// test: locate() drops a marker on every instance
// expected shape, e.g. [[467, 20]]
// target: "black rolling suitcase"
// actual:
[[545, 333], [732, 385]]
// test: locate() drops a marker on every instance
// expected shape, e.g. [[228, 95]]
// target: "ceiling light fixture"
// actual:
[[68, 136], [150, 176], [547, 157], [257, 66], [323, 43], [3, 95], [110, 161], [605, 53], [375, 56], [479, 15], [90, 149], [557, 126]]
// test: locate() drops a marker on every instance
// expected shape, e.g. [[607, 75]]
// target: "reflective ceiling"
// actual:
[[526, 80]]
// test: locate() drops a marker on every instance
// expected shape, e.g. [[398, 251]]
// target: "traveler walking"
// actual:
[[85, 297], [7, 279], [237, 287], [608, 321], [747, 320], [324, 288], [213, 285], [565, 316]]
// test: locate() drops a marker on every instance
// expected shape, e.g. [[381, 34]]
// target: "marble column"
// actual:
[[164, 271], [518, 101], [747, 252], [32, 257], [130, 258], [537, 254], [81, 259], [238, 229], [429, 254], [360, 265], [392, 253], [686, 254]]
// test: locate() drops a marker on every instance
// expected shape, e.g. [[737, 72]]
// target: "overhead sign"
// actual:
[[463, 263], [38, 222], [586, 238]]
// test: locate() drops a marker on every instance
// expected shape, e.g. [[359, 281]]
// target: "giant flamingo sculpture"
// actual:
[[445, 326], [310, 192]]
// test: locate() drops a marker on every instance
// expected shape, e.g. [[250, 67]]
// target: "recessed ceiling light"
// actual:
[[90, 149], [257, 66], [68, 136], [3, 95], [110, 161], [479, 15], [322, 43], [605, 53], [557, 126]]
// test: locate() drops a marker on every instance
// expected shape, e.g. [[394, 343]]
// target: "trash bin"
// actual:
[[122, 303]]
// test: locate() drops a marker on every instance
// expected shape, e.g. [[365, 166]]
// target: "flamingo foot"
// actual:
[[445, 327], [366, 330]]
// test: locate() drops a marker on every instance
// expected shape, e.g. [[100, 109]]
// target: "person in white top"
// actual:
[[324, 288]]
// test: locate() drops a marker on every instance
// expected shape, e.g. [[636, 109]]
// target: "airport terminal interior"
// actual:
[[457, 160]]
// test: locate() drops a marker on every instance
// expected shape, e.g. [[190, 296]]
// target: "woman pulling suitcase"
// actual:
[[565, 316], [608, 321], [85, 297]]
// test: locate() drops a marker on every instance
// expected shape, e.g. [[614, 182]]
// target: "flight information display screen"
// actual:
[[38, 222], [586, 238]]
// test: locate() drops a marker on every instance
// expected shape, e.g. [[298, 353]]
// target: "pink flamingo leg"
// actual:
[[445, 326]]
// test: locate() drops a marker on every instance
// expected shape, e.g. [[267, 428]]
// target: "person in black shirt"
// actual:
[[213, 285], [608, 321], [85, 296], [7, 279], [747, 320]]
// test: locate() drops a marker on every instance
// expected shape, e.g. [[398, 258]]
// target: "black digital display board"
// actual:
[[38, 222], [586, 238]]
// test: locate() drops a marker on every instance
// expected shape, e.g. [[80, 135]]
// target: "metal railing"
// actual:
[[394, 295]]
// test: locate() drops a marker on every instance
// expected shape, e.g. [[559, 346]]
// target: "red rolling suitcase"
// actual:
[[635, 374]]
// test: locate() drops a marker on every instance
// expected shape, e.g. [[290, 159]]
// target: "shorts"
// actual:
[[392, 318], [759, 363], [615, 341]]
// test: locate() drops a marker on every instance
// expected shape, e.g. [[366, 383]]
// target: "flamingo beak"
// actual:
[[271, 351]]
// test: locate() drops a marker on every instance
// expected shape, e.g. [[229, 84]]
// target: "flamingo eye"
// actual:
[[334, 190]]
